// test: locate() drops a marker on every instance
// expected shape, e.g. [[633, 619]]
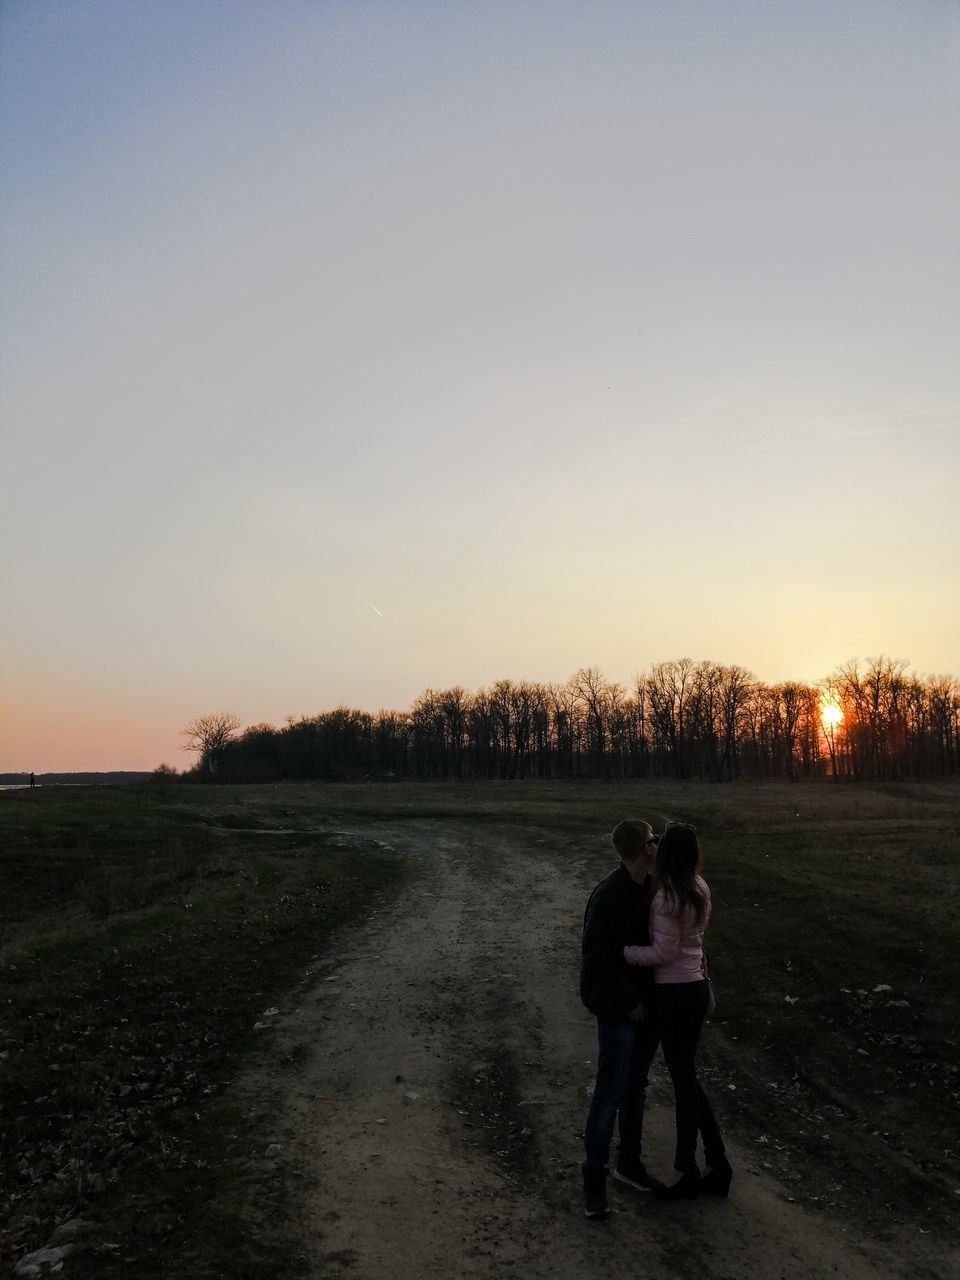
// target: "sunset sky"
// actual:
[[348, 349]]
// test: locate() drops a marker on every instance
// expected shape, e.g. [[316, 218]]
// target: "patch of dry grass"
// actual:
[[140, 951]]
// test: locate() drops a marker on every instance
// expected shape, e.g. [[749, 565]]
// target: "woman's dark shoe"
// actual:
[[595, 1193], [685, 1188], [716, 1181]]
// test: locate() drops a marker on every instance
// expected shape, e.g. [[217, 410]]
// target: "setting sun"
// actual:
[[831, 715]]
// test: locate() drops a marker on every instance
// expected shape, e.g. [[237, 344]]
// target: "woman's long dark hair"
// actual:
[[678, 865]]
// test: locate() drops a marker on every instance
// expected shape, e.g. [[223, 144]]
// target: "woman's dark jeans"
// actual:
[[682, 1007]]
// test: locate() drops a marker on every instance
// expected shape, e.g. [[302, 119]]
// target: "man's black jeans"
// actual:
[[624, 1055]]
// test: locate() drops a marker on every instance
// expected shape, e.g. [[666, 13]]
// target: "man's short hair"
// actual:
[[630, 836]]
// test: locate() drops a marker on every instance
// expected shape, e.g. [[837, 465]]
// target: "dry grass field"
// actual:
[[146, 930]]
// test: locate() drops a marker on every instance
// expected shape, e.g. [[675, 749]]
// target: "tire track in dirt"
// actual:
[[433, 1118]]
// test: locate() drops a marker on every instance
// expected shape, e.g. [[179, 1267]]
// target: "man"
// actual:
[[620, 997]]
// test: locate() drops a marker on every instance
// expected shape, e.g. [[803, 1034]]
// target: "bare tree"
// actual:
[[428, 737], [637, 728], [885, 687], [564, 703], [594, 693], [668, 688], [736, 694], [942, 698], [207, 736], [703, 718], [453, 705], [540, 731], [521, 714], [795, 701], [501, 695], [481, 734]]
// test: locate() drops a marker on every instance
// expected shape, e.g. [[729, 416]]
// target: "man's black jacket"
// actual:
[[617, 915]]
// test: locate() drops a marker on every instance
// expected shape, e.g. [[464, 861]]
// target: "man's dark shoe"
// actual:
[[633, 1174], [685, 1188], [595, 1194]]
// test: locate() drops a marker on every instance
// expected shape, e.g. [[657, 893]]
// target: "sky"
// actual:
[[351, 349]]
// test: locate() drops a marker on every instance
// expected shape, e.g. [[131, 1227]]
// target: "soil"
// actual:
[[430, 1082]]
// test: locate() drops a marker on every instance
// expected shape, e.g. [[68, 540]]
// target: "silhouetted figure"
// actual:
[[621, 999], [33, 781], [679, 914]]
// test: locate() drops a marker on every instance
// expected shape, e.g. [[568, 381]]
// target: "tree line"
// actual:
[[682, 719]]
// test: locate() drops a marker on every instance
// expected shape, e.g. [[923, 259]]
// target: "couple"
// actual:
[[643, 977]]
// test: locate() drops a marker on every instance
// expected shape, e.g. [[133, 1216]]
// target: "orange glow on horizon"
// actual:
[[831, 715]]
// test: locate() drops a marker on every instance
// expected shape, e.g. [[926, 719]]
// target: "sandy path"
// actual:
[[435, 1118]]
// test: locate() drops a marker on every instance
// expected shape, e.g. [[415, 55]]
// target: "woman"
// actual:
[[679, 913]]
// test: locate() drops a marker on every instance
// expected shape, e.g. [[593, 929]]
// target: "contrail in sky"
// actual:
[[374, 608]]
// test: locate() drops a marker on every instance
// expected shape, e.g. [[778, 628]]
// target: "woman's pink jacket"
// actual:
[[676, 948]]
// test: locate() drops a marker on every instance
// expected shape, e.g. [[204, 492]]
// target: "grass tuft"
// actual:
[[139, 954]]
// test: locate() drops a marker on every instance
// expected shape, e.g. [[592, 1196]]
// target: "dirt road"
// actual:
[[444, 1063]]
